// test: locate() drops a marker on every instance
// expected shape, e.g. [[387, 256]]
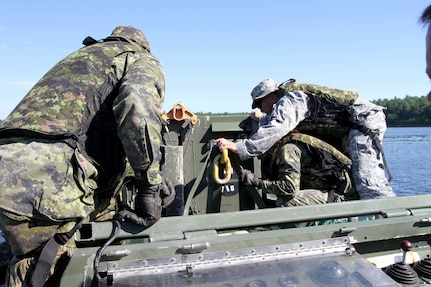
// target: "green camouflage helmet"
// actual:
[[133, 34]]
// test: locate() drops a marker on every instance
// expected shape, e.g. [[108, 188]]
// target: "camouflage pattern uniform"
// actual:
[[302, 170], [296, 107], [5, 258], [282, 177], [64, 148]]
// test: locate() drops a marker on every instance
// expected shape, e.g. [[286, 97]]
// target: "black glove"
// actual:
[[167, 192], [148, 203], [130, 215], [248, 178]]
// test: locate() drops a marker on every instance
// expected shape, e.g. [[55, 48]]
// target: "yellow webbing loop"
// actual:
[[223, 159]]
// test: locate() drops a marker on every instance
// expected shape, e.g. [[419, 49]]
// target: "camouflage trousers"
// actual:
[[26, 236], [46, 177], [367, 162], [303, 197], [5, 258], [45, 186]]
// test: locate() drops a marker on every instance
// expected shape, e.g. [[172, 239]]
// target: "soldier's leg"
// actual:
[[368, 171], [41, 181], [26, 237], [5, 258], [308, 197], [367, 167]]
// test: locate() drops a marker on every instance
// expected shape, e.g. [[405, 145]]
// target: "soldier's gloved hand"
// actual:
[[249, 178], [131, 216], [148, 203], [167, 191]]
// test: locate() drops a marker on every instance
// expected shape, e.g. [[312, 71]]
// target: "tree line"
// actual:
[[407, 112]]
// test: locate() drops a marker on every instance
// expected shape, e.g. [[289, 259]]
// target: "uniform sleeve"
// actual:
[[288, 112], [264, 119], [138, 110], [288, 168]]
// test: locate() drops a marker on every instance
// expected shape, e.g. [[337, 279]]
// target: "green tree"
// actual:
[[410, 111]]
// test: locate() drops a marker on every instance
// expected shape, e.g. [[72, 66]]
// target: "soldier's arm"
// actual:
[[288, 172], [138, 110]]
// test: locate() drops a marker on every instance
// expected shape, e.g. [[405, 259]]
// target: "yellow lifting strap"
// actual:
[[179, 112], [222, 159]]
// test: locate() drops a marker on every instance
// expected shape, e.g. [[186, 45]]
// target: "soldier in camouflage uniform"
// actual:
[[301, 170], [281, 170], [64, 149], [338, 114]]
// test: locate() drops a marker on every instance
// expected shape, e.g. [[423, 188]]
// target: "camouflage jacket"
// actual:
[[299, 162], [282, 171], [109, 97]]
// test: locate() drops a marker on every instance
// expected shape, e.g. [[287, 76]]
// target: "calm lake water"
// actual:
[[408, 154]]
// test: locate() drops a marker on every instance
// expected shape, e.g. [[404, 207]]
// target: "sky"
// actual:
[[215, 52]]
